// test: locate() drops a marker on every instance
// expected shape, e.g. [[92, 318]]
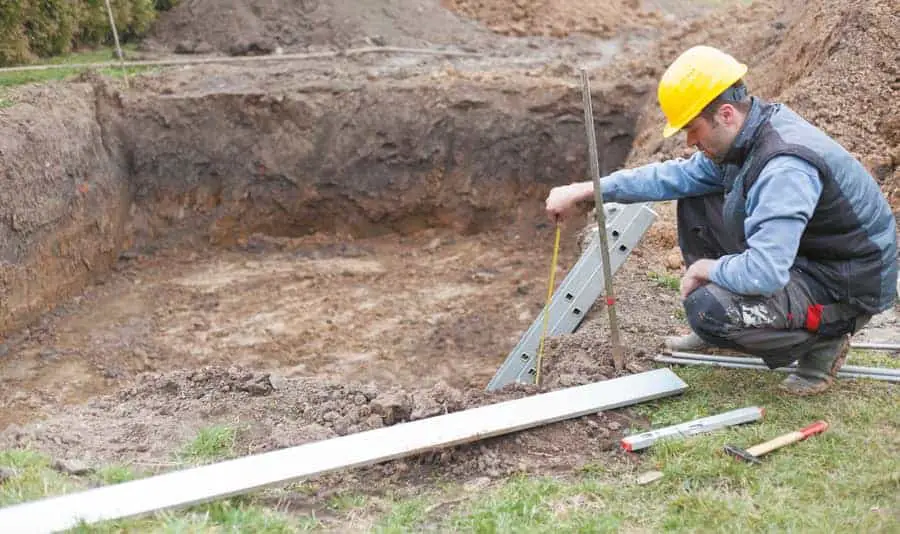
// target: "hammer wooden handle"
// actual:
[[786, 439]]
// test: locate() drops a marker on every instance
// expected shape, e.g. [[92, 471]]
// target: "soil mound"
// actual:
[[244, 27], [145, 423], [843, 75], [558, 18]]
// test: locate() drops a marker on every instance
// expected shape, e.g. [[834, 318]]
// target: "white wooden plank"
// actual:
[[205, 483]]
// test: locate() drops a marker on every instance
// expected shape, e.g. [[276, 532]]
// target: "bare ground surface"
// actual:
[[247, 27], [293, 342], [310, 249]]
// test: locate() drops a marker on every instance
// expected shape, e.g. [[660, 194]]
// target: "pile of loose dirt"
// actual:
[[145, 423], [246, 27], [558, 18], [843, 74]]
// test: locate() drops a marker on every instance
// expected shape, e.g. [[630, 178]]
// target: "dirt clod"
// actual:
[[7, 474], [648, 477], [72, 467]]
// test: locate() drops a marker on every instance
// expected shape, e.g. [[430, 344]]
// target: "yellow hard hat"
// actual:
[[692, 81]]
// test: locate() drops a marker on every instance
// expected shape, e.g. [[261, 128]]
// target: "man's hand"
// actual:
[[562, 200], [696, 275]]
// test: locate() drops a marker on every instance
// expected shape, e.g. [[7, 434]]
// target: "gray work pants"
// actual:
[[778, 328]]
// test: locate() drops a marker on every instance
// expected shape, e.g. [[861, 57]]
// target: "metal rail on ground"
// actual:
[[758, 361], [247, 59], [876, 346], [626, 225], [843, 373]]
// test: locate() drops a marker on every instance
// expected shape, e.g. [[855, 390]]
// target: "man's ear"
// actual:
[[728, 114]]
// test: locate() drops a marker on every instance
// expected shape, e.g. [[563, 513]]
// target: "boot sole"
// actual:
[[841, 358], [829, 381]]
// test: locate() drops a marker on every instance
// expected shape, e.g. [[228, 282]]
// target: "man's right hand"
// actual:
[[562, 200]]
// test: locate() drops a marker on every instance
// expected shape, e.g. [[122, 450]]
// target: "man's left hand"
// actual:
[[696, 275]]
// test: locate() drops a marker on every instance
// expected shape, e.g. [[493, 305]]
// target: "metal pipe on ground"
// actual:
[[247, 59], [841, 374], [759, 361], [876, 346]]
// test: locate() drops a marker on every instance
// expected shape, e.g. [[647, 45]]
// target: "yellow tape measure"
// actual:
[[540, 357]]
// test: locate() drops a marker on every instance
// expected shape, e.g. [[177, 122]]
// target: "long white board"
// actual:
[[205, 483]]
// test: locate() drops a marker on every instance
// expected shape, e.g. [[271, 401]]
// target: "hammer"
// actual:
[[753, 453]]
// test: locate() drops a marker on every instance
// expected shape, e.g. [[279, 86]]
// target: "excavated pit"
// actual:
[[382, 232], [301, 264]]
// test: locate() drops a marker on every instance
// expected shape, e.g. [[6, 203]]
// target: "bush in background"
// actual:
[[13, 43], [50, 26], [164, 5], [40, 28]]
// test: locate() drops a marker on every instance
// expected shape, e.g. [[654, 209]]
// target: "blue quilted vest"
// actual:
[[850, 243]]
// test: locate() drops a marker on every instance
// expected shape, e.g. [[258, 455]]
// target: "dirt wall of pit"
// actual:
[[63, 200], [92, 171], [361, 158]]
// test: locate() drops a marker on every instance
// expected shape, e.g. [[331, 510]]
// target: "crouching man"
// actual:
[[789, 243]]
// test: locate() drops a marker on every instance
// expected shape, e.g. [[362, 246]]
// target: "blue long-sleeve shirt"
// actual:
[[779, 205]]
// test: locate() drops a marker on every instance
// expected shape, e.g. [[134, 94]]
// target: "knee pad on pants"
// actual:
[[707, 315]]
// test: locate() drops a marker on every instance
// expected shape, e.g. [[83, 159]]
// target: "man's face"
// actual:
[[714, 136]]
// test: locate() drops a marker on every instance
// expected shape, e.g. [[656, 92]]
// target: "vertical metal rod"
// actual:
[[617, 350], [112, 23]]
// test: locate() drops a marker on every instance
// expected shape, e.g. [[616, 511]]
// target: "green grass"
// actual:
[[101, 55], [664, 280], [343, 502], [538, 505], [33, 478], [211, 444], [844, 480], [872, 358], [115, 474], [404, 516]]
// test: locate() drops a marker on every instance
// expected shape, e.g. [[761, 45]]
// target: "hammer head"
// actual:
[[738, 452]]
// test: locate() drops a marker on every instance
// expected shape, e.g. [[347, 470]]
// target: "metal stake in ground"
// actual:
[[618, 352]]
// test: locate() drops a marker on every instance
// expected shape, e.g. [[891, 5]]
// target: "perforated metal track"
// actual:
[[626, 225]]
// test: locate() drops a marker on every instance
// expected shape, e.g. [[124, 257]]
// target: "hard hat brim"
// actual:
[[669, 131]]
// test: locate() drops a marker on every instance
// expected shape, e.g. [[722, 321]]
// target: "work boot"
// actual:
[[689, 343], [817, 369]]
